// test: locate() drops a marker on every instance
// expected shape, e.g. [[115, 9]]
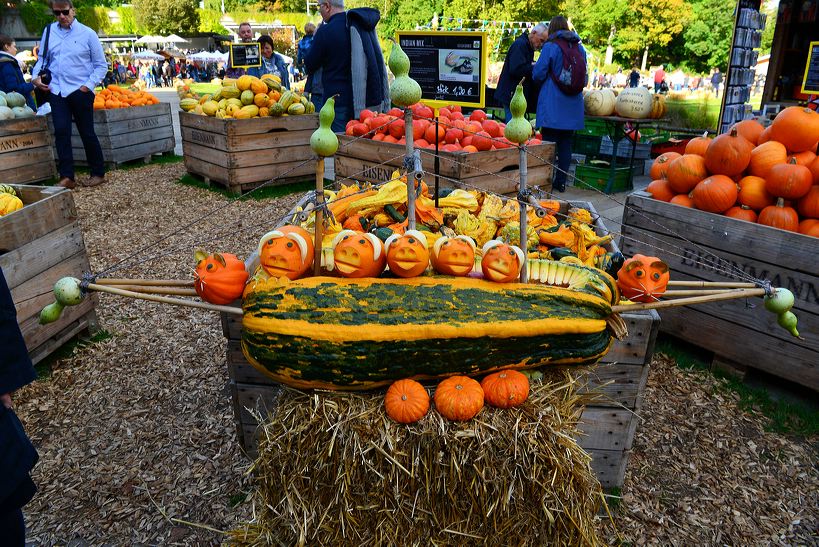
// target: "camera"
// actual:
[[45, 76]]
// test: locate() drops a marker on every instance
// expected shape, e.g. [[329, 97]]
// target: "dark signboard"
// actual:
[[810, 83], [245, 55]]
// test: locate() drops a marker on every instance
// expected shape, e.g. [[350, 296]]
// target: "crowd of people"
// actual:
[[659, 80]]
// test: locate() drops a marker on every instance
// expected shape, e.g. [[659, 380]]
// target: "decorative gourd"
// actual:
[[404, 91], [809, 227], [408, 254], [286, 252], [453, 256], [765, 156], [749, 129], [634, 102], [808, 205], [716, 194], [789, 180], [219, 278], [599, 102], [661, 190], [742, 212], [779, 216], [518, 129], [406, 401], [459, 398], [683, 200], [9, 203], [357, 255], [15, 99], [659, 169], [685, 172], [323, 141], [797, 128], [643, 278], [501, 262], [658, 107], [728, 154], [7, 189], [505, 389], [698, 145], [752, 193]]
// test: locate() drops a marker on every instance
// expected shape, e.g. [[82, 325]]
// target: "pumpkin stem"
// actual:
[[780, 202], [199, 255]]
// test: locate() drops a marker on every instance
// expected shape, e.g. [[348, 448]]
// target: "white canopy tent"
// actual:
[[208, 57], [173, 39], [150, 39], [147, 56]]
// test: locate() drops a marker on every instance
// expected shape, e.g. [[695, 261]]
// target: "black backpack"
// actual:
[[572, 77]]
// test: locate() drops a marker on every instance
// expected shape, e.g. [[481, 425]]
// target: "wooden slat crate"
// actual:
[[739, 331], [494, 170], [244, 154], [26, 151], [39, 244]]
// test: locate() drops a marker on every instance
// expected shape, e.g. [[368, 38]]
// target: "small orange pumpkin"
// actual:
[[808, 205], [779, 216], [685, 172], [698, 145], [406, 401], [728, 154], [716, 194], [752, 193], [765, 156], [643, 278], [660, 189], [660, 166], [796, 127], [357, 255], [408, 254], [505, 389], [453, 255], [742, 212], [501, 262], [789, 180], [286, 252], [459, 398], [219, 278], [809, 227], [683, 200], [749, 129]]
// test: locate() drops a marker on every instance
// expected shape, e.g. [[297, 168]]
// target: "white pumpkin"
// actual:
[[3, 101], [6, 113], [15, 99], [22, 112], [634, 102], [599, 102]]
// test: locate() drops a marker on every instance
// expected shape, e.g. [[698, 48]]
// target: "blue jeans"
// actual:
[[80, 107], [343, 115], [563, 154], [507, 113]]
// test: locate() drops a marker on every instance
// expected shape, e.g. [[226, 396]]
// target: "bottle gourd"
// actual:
[[323, 141], [518, 130], [404, 91]]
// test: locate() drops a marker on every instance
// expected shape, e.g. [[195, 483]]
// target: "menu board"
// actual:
[[245, 55], [450, 67], [810, 83]]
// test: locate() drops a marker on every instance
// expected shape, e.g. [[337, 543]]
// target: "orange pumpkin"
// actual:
[[765, 156], [716, 194], [643, 278], [219, 278], [728, 154], [660, 166], [683, 200], [685, 172], [804, 158], [698, 145], [406, 401], [741, 212], [752, 193], [505, 389], [357, 254], [459, 398], [789, 180], [408, 254], [814, 169], [286, 252], [501, 262], [809, 227], [808, 205], [796, 127], [750, 130], [660, 189], [779, 216], [453, 255]]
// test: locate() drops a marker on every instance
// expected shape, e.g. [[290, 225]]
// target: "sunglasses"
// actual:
[[58, 12]]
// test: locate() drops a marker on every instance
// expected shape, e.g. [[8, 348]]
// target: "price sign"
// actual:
[[245, 55], [810, 83]]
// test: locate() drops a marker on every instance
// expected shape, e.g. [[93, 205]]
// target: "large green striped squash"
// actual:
[[357, 334]]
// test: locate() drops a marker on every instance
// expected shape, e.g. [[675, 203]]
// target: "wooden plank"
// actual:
[[38, 157], [254, 158], [36, 292], [252, 176], [36, 172], [110, 143], [607, 428], [85, 323], [609, 466], [634, 349], [17, 126], [135, 152], [245, 143], [36, 334], [46, 209], [10, 145], [118, 115], [616, 385], [252, 126], [25, 262]]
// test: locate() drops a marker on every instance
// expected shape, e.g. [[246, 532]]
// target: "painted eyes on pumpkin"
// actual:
[[411, 240], [655, 276], [210, 267], [289, 244], [511, 252], [270, 241], [362, 241], [639, 273]]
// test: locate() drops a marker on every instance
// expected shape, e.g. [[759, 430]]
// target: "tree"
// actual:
[[167, 16], [651, 24], [600, 21], [708, 34]]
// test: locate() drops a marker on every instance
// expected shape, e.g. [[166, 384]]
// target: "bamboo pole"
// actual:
[[318, 227], [164, 299], [726, 295], [168, 291], [712, 284], [146, 282], [696, 292]]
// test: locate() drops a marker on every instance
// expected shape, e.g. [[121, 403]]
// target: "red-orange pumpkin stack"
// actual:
[[765, 175]]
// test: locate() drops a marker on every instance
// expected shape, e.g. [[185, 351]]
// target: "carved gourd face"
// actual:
[[407, 255], [219, 278], [501, 262], [643, 278], [453, 255], [357, 254], [286, 252]]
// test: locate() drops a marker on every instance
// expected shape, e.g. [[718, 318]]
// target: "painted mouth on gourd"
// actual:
[[348, 265]]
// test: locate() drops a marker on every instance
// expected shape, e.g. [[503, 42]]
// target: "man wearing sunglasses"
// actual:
[[73, 55]]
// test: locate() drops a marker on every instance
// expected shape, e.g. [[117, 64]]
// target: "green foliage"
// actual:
[[708, 34], [209, 21], [695, 113], [167, 16], [768, 32], [35, 15], [127, 21]]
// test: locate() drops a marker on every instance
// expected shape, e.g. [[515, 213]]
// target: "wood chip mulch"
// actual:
[[138, 445]]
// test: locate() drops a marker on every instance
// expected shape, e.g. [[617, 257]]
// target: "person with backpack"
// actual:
[[561, 69]]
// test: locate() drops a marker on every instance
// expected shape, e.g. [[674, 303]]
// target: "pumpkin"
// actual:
[[789, 180], [661, 190], [779, 216], [814, 169], [716, 194], [752, 193], [505, 389], [659, 168], [683, 200], [765, 136], [643, 278], [406, 401], [599, 102], [219, 278], [9, 203], [749, 129], [286, 252], [808, 205], [501, 262], [634, 102], [765, 156], [685, 172], [356, 223], [809, 227], [357, 254], [698, 145], [742, 212], [408, 254], [459, 398], [804, 158], [453, 256], [797, 128], [728, 154]]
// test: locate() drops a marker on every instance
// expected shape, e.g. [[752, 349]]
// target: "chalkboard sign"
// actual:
[[450, 67], [810, 84], [245, 55]]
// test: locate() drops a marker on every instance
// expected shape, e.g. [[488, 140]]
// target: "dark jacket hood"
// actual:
[[568, 35], [364, 18]]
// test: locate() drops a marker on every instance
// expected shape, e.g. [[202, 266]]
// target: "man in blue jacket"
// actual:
[[518, 66]]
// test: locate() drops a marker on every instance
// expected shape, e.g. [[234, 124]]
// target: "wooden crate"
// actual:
[[244, 154], [735, 330], [26, 151], [494, 170], [39, 244]]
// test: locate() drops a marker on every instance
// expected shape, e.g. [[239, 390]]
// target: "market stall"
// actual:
[[26, 150]]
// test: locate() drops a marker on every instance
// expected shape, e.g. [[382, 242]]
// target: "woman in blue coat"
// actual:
[[11, 77], [272, 63], [558, 115]]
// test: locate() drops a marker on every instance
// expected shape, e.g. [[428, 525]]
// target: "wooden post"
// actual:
[[410, 161], [319, 225], [522, 201]]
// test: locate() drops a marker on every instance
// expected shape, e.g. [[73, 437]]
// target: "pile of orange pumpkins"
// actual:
[[114, 96], [765, 175], [454, 132]]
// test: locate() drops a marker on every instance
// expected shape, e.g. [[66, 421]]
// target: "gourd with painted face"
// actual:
[[501, 262], [357, 254], [407, 255], [286, 252], [453, 255], [219, 278], [643, 278]]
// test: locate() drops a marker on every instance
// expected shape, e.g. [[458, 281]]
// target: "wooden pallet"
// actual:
[[26, 151], [494, 170], [39, 244], [244, 154], [735, 330]]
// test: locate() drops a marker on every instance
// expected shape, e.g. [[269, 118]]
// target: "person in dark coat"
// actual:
[[634, 78], [11, 77], [17, 454], [518, 65]]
